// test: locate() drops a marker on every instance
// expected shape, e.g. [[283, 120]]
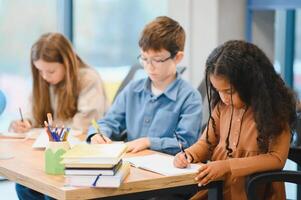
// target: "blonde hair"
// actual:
[[54, 47]]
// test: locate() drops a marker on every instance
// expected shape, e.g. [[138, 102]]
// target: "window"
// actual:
[[106, 32], [297, 61], [21, 23]]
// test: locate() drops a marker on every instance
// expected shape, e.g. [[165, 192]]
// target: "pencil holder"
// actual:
[[53, 159]]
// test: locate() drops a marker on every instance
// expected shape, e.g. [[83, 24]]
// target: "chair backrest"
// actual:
[[205, 110], [128, 78], [266, 177], [2, 102], [297, 132], [133, 74]]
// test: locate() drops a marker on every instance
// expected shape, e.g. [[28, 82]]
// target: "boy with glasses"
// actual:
[[152, 110]]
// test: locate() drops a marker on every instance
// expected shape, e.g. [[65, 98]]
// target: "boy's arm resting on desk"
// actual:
[[188, 128]]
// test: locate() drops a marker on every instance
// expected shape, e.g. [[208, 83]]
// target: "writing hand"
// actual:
[[97, 139], [180, 161], [20, 127]]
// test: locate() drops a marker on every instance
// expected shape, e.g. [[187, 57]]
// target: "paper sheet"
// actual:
[[32, 133], [161, 164]]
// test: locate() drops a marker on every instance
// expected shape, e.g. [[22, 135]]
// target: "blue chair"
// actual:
[[2, 102]]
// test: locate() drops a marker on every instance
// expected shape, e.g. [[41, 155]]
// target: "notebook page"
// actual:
[[32, 133], [161, 164]]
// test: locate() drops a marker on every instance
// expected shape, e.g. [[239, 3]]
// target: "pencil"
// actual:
[[180, 145], [20, 111], [48, 131], [66, 133], [95, 125]]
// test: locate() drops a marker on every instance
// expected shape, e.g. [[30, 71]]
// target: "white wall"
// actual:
[[231, 20], [207, 24], [263, 31]]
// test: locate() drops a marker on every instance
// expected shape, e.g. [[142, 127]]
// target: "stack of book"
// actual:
[[96, 165]]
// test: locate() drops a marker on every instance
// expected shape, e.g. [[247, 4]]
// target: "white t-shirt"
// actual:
[[156, 91]]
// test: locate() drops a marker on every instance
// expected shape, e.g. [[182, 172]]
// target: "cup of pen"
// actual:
[[57, 146]]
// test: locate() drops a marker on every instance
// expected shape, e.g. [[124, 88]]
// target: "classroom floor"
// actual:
[[7, 190]]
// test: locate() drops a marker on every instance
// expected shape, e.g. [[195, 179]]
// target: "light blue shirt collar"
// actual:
[[170, 92]]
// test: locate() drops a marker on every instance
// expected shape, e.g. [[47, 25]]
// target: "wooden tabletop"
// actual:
[[26, 167]]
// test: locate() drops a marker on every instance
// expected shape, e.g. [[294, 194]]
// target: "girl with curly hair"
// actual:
[[251, 113]]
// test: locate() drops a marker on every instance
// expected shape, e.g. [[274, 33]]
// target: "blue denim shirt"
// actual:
[[142, 114]]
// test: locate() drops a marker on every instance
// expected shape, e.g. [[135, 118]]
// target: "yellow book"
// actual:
[[87, 165], [104, 154]]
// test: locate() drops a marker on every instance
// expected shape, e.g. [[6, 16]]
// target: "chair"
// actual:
[[205, 110], [277, 176], [133, 75], [2, 102], [283, 175]]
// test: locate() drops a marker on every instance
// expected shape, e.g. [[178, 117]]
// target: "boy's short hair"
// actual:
[[163, 33]]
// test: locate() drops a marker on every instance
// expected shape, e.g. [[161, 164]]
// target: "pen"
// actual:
[[48, 132], [180, 145], [20, 111], [61, 132], [51, 135], [95, 125]]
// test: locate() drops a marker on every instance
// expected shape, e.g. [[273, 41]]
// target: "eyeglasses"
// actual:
[[154, 62]]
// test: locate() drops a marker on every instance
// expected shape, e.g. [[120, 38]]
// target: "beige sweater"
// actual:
[[92, 101]]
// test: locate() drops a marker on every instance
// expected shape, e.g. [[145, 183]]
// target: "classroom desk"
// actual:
[[27, 168]]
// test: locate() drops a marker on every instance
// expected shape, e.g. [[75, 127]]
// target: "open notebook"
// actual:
[[161, 164]]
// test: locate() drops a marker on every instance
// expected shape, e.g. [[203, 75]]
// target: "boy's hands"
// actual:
[[212, 171], [20, 127], [97, 139], [138, 145], [180, 161]]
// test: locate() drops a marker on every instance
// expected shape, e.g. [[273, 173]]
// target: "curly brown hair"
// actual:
[[253, 76]]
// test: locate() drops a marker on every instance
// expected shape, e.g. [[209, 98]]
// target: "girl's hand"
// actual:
[[20, 127], [212, 171], [138, 145], [180, 161]]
